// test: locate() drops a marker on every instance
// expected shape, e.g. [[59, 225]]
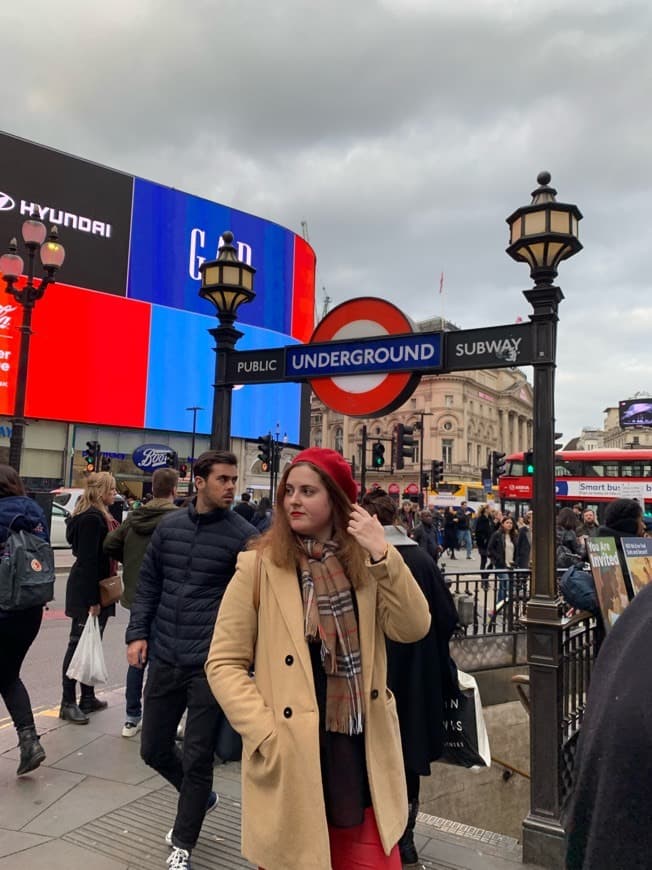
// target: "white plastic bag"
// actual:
[[87, 664]]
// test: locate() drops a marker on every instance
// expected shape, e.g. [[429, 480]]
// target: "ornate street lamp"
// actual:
[[227, 282], [52, 255], [543, 234]]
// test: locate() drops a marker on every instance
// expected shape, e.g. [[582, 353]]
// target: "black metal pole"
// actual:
[[422, 494], [363, 463], [225, 336], [543, 835], [19, 423], [194, 409]]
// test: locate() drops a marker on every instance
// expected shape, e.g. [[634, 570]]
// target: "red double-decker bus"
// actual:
[[588, 477]]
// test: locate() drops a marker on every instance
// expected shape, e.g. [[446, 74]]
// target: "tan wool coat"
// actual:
[[283, 813]]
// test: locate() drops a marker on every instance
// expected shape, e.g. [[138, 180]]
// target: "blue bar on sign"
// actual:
[[380, 354]]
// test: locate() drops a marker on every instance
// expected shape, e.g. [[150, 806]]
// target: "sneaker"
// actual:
[[211, 803], [179, 859], [131, 729]]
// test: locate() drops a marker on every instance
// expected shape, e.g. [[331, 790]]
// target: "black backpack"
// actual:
[[27, 572]]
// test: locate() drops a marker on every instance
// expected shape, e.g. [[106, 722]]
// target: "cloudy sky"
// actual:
[[402, 132]]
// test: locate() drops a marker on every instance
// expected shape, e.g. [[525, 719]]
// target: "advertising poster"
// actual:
[[608, 576], [89, 204], [638, 556]]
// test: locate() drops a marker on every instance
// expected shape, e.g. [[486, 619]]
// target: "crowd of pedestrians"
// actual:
[[315, 625]]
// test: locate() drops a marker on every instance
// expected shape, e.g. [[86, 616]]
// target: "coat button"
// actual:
[[374, 694], [287, 712], [289, 660]]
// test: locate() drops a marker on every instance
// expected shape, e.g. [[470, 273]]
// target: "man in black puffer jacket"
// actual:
[[186, 569]]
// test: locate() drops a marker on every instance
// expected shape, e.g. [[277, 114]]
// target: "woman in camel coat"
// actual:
[[322, 772]]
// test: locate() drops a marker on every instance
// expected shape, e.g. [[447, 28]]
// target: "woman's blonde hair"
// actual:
[[283, 545], [98, 484]]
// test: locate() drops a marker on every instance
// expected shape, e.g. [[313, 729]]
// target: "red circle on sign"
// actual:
[[393, 488], [394, 389], [412, 489]]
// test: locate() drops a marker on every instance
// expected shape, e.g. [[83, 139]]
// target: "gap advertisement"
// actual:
[[121, 338]]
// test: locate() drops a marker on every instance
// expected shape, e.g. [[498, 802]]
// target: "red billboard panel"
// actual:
[[88, 358]]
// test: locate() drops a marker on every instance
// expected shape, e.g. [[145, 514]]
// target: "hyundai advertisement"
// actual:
[[121, 339]]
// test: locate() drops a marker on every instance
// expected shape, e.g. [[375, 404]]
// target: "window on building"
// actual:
[[317, 439], [447, 451], [448, 401], [469, 452], [339, 439], [478, 456]]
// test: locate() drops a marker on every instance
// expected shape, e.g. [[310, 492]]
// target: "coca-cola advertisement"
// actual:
[[89, 204]]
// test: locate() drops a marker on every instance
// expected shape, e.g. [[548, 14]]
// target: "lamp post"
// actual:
[[52, 255], [227, 283], [194, 409], [422, 495], [543, 234]]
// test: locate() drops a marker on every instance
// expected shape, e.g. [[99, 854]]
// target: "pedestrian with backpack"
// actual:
[[19, 625]]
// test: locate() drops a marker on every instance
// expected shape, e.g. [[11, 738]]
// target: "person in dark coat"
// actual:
[[422, 674], [87, 528], [262, 519], [187, 566], [450, 532], [483, 530], [523, 548], [501, 549], [18, 628], [245, 508], [607, 820], [570, 547], [425, 535]]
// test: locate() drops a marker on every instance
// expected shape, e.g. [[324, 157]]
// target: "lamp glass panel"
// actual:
[[554, 249], [52, 254], [231, 275], [232, 299], [535, 223], [11, 265], [515, 234], [559, 222], [247, 279], [34, 232], [537, 253], [574, 226], [211, 275]]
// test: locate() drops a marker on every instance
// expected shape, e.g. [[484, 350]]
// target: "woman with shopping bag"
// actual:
[[87, 528]]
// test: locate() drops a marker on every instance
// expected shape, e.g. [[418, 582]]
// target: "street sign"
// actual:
[[256, 366], [398, 353], [373, 392], [496, 347]]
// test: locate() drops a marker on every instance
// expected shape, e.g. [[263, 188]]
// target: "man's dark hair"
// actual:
[[164, 482], [623, 515], [213, 457], [245, 497], [381, 505]]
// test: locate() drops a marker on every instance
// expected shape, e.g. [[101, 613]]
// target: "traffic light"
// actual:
[[528, 462], [172, 459], [497, 465], [378, 455], [425, 480], [436, 472], [105, 463], [265, 447], [92, 456], [405, 445]]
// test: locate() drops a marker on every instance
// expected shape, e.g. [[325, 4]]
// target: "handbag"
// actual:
[[466, 743], [87, 664], [228, 745], [111, 589]]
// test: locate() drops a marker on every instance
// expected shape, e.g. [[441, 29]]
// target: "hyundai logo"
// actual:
[[6, 202]]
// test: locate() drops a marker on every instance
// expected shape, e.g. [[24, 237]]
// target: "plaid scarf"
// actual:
[[329, 617]]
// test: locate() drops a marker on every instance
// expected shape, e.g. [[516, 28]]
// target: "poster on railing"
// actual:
[[638, 556], [608, 576]]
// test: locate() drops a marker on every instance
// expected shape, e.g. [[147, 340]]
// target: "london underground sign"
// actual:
[[373, 391], [365, 360]]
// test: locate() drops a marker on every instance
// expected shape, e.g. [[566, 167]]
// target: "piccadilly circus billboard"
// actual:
[[121, 338]]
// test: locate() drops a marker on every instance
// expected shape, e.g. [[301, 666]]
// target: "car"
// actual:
[[68, 497], [58, 527]]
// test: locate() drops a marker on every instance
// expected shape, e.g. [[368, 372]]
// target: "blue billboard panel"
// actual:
[[181, 373], [173, 233]]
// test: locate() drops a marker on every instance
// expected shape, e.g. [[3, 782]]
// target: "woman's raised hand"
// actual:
[[368, 532]]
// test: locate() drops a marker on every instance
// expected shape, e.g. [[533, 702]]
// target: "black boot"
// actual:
[[406, 847], [71, 713], [31, 751], [89, 703]]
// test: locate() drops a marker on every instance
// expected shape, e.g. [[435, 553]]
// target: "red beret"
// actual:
[[332, 464]]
